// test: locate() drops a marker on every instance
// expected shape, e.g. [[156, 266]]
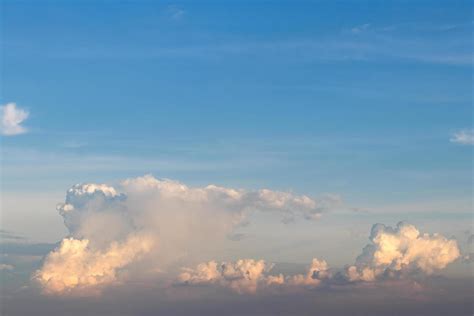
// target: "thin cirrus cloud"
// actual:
[[463, 137], [12, 118], [157, 225]]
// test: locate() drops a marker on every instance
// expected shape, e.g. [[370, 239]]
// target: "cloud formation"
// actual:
[[157, 223], [11, 120], [463, 137], [161, 225], [76, 267], [242, 276], [402, 249], [393, 253]]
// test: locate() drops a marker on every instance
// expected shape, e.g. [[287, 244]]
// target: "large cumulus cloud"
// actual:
[[157, 223], [402, 249], [77, 267], [146, 224]]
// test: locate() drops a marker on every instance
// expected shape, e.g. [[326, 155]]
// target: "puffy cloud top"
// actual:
[[242, 276], [76, 268], [402, 249], [317, 272]]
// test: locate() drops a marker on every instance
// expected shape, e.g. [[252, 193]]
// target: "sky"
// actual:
[[197, 138]]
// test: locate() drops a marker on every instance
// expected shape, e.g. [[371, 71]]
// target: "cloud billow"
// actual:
[[158, 222], [157, 225]]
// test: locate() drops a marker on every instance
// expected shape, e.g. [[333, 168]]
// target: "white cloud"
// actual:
[[317, 272], [360, 28], [175, 12], [394, 251], [180, 223], [76, 268], [392, 254], [11, 119], [463, 137], [158, 225], [242, 276], [6, 267], [247, 276]]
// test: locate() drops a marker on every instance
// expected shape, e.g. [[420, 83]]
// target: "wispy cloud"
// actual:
[[175, 12], [360, 28], [463, 137], [12, 118]]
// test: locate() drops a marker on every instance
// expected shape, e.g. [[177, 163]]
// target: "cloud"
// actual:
[[193, 223], [247, 276], [6, 235], [403, 249], [11, 119], [317, 272], [393, 254], [360, 28], [175, 12], [6, 267], [463, 137], [144, 225], [74, 267], [242, 276]]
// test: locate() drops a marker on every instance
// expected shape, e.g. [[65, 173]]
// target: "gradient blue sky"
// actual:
[[359, 99]]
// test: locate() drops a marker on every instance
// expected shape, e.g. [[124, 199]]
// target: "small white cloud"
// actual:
[[360, 28], [11, 119], [6, 267], [175, 12], [463, 137]]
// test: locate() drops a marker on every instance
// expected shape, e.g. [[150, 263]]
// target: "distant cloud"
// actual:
[[242, 276], [175, 12], [463, 137], [360, 28], [11, 119], [403, 249], [4, 266], [393, 254], [9, 236]]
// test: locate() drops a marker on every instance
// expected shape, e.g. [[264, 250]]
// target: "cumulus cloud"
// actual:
[[11, 119], [144, 225], [317, 273], [393, 253], [75, 267], [242, 276], [249, 275], [463, 137], [166, 222], [402, 249]]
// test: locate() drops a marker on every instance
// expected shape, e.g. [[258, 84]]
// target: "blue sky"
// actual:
[[345, 93]]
